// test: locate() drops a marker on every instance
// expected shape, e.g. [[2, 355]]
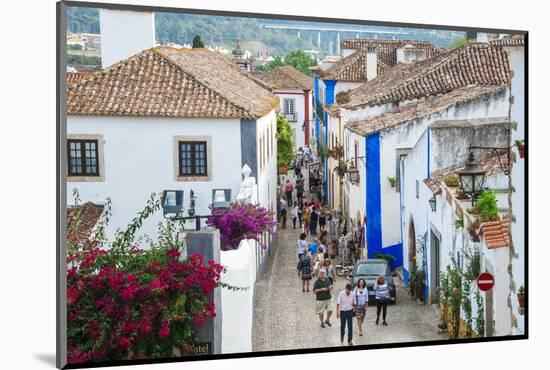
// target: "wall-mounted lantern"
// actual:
[[433, 203], [172, 202], [472, 178], [353, 175], [221, 198]]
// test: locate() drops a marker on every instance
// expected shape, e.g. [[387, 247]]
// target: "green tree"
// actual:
[[298, 59], [197, 42], [285, 151]]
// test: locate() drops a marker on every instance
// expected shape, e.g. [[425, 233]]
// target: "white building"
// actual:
[[386, 116], [168, 119], [294, 90]]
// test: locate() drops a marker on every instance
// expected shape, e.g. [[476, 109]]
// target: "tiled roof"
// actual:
[[169, 82], [77, 76], [285, 77], [82, 219], [496, 233], [515, 40], [420, 109], [473, 64], [386, 49], [353, 68]]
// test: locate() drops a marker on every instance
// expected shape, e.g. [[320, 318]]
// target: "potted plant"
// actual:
[[341, 169], [521, 297], [283, 168], [521, 147], [392, 181]]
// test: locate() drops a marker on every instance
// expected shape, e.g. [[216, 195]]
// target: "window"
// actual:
[[83, 157], [417, 189], [289, 109], [192, 158]]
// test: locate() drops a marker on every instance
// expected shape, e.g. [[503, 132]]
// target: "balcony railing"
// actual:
[[291, 117]]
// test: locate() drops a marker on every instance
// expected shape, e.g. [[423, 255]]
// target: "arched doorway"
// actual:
[[412, 246]]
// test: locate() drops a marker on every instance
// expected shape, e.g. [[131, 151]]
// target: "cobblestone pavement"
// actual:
[[284, 317]]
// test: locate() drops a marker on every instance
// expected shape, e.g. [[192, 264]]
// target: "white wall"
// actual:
[[139, 159], [298, 96], [517, 176], [355, 193], [238, 306], [124, 33], [267, 176], [346, 86]]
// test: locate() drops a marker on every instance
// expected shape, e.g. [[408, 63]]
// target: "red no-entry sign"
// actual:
[[485, 281]]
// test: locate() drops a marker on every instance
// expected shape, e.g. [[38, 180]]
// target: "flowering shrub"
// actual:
[[241, 221], [124, 302]]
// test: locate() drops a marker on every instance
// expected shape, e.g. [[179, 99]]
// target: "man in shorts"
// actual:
[[323, 302]]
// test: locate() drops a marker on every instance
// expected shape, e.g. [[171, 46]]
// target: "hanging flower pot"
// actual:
[[521, 148], [392, 181], [521, 297]]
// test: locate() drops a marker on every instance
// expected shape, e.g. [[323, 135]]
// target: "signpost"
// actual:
[[485, 281]]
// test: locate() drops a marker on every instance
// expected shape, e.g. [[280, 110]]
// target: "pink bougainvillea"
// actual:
[[141, 306], [242, 221]]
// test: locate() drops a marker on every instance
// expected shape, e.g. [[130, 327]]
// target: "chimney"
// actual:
[[124, 33], [372, 63]]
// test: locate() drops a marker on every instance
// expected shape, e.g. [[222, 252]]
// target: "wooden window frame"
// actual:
[[193, 143], [83, 157]]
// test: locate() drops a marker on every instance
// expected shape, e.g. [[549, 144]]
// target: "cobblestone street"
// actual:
[[284, 317]]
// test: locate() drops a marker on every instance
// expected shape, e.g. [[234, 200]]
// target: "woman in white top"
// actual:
[[362, 300], [382, 295], [294, 215]]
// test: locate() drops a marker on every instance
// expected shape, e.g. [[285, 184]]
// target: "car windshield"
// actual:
[[371, 269]]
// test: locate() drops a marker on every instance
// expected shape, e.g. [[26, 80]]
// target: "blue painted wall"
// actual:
[[373, 199], [374, 205], [329, 99], [406, 276]]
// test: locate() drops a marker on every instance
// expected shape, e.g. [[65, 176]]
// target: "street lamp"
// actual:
[[433, 203], [172, 201], [221, 198], [472, 178]]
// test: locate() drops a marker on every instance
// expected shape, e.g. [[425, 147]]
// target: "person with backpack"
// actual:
[[304, 267], [382, 296]]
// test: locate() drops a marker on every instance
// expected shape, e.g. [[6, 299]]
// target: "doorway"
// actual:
[[412, 247], [435, 242]]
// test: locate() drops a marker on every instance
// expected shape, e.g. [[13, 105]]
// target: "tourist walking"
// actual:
[[300, 213], [294, 215], [289, 188], [322, 219], [301, 244], [344, 311], [332, 227], [307, 219], [318, 260], [382, 296], [322, 289], [304, 267], [300, 189], [313, 247], [283, 206], [313, 222], [331, 274], [361, 294]]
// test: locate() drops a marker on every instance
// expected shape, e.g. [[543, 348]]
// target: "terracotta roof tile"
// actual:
[[472, 64], [77, 76], [353, 68], [82, 219], [515, 40], [169, 82], [386, 49], [285, 77], [496, 233], [420, 109]]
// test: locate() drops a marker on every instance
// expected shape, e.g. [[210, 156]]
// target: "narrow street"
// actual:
[[284, 317]]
